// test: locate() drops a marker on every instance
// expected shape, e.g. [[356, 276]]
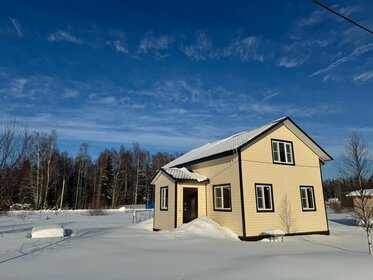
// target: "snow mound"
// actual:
[[145, 225], [201, 227], [48, 231]]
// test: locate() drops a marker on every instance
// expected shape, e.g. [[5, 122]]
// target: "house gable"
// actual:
[[285, 181]]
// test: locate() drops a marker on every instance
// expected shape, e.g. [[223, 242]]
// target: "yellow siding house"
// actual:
[[252, 182]]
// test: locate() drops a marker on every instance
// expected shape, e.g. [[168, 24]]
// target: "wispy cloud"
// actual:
[[60, 36], [120, 47], [107, 100], [363, 77], [248, 48], [16, 26], [270, 94], [156, 45], [313, 18], [245, 49], [319, 16], [70, 93], [201, 49], [357, 52], [17, 88], [290, 62]]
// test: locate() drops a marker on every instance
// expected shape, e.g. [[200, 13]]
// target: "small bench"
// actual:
[[274, 234]]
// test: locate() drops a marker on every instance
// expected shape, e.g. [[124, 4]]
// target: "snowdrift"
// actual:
[[48, 231], [145, 225], [201, 227]]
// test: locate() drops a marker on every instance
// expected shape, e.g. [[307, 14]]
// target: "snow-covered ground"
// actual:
[[110, 247]]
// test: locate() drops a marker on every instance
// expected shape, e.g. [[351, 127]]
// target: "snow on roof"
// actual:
[[228, 144], [365, 192], [184, 174]]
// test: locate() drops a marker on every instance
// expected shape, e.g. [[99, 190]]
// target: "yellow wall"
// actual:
[[258, 167], [223, 171], [164, 219]]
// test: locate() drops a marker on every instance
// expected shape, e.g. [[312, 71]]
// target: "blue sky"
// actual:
[[173, 75]]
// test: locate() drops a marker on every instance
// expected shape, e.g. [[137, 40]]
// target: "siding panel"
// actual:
[[164, 219], [258, 167]]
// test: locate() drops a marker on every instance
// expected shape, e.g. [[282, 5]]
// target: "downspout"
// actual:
[[175, 221], [323, 196], [242, 196], [206, 198]]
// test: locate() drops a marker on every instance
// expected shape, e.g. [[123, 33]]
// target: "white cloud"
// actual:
[[270, 94], [155, 45], [17, 88], [313, 18], [108, 100], [120, 47], [349, 10], [201, 49], [61, 35], [319, 15], [357, 52], [17, 26], [249, 48], [290, 62], [363, 77], [69, 93], [245, 49]]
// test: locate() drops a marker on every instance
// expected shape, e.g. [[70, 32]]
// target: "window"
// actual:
[[264, 198], [282, 152], [307, 198], [164, 198], [222, 198]]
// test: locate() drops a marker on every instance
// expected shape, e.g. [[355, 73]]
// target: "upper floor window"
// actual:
[[222, 198], [164, 198], [282, 152], [308, 198]]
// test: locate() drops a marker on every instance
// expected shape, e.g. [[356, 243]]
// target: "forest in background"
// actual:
[[34, 171]]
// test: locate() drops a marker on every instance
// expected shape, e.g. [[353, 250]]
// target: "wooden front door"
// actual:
[[190, 203]]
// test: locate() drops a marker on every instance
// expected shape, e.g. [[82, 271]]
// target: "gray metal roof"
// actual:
[[221, 146], [184, 174]]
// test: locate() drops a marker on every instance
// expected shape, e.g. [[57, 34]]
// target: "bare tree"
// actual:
[[287, 219], [13, 150], [356, 166], [51, 166]]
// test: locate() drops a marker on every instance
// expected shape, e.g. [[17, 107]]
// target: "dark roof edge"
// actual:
[[309, 138], [215, 156]]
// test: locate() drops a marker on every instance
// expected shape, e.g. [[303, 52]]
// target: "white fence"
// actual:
[[140, 215]]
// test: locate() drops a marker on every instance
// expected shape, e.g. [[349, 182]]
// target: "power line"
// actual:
[[342, 16]]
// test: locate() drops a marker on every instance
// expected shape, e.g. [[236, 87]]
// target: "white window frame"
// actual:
[[221, 198], [305, 198], [288, 149], [164, 198], [260, 188]]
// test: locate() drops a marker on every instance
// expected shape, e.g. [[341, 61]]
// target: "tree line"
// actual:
[[34, 171]]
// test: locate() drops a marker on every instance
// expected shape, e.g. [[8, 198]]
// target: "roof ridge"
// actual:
[[222, 145]]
